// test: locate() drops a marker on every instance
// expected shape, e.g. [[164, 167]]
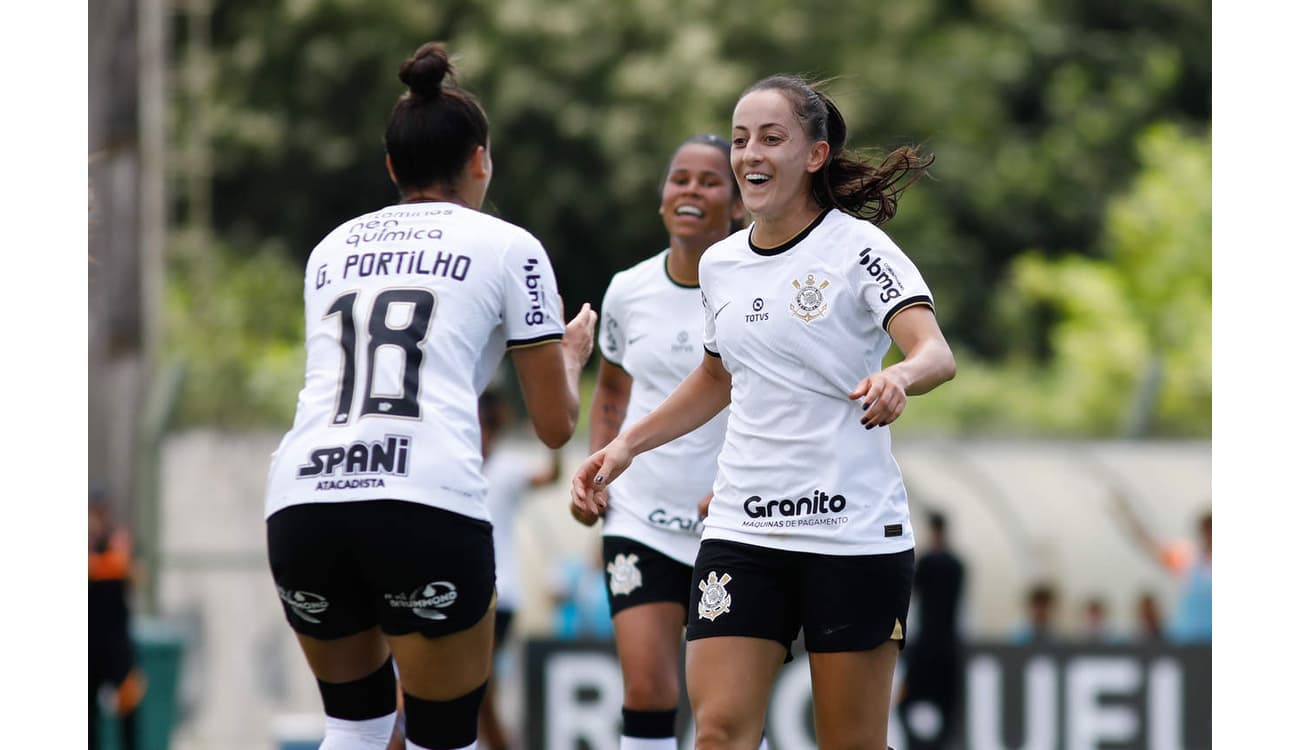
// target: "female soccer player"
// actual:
[[377, 533], [808, 527], [650, 339]]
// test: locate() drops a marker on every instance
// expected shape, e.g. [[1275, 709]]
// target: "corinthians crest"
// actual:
[[809, 303], [715, 601], [624, 576]]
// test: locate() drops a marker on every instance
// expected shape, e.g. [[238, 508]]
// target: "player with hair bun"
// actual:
[[808, 528], [379, 539]]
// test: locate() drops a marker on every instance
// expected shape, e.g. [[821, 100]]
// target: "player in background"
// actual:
[[509, 479], [650, 339], [378, 534], [808, 526]]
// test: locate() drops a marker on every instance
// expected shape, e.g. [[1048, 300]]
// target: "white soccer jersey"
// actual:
[[409, 310], [508, 478], [798, 327], [650, 326]]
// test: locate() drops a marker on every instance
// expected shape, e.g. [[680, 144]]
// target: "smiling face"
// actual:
[[772, 156], [698, 199]]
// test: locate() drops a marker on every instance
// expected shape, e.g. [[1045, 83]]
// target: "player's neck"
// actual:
[[774, 230], [684, 261], [433, 195]]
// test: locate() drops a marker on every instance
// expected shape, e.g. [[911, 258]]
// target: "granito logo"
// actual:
[[661, 517], [819, 503], [359, 459], [890, 286]]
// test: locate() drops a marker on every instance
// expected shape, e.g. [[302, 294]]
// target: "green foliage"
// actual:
[[234, 322], [1129, 345], [1032, 108]]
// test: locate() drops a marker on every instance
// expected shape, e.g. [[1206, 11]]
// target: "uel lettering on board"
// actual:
[[1080, 703]]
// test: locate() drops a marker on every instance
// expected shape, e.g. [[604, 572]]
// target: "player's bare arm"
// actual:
[[608, 409], [927, 363], [699, 398], [556, 366]]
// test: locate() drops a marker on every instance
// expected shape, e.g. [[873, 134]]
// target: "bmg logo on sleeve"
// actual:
[[533, 281]]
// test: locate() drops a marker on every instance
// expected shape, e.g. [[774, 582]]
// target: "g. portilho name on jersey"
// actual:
[[358, 464]]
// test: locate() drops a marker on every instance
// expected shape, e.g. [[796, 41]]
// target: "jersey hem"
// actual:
[[785, 543], [524, 343], [919, 299]]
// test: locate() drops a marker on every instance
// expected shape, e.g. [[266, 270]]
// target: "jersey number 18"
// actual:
[[406, 338]]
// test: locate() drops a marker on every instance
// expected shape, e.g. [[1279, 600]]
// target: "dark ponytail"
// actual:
[[436, 125], [848, 181]]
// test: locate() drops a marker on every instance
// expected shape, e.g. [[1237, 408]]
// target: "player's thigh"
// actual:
[[729, 680], [851, 696], [433, 573], [345, 659], [649, 641], [648, 595], [445, 667]]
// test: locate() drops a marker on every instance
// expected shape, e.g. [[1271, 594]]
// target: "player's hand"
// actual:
[[883, 398], [579, 335], [589, 490], [582, 515], [703, 505]]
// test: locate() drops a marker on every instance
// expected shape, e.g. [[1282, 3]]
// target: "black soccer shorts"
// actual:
[[638, 574], [842, 603], [341, 568]]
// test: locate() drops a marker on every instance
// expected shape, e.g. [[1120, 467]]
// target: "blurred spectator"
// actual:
[[929, 697], [1097, 627], [509, 478], [578, 594], [1190, 562], [1150, 622], [1040, 617], [115, 680]]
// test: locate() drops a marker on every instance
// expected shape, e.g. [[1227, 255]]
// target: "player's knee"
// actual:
[[646, 690], [443, 724], [723, 729], [649, 724], [370, 697]]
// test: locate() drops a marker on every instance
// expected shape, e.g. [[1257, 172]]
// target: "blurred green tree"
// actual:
[[1032, 108]]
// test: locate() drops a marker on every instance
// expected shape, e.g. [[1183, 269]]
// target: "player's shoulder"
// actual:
[[645, 271], [731, 248]]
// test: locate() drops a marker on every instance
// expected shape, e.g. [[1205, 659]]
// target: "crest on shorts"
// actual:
[[305, 604], [624, 575], [715, 601], [809, 303]]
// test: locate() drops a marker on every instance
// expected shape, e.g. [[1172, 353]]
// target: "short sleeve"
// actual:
[[890, 281], [612, 336], [710, 327], [532, 300]]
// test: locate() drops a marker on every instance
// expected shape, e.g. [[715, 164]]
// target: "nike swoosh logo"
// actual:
[[638, 338], [720, 309]]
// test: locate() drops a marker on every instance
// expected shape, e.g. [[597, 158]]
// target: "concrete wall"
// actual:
[[1018, 511]]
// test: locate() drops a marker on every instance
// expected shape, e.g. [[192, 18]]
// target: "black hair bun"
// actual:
[[424, 71]]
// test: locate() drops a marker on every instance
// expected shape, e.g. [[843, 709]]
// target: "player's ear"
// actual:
[[388, 162], [480, 163]]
